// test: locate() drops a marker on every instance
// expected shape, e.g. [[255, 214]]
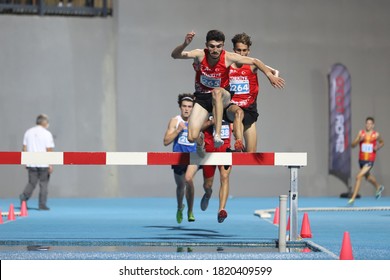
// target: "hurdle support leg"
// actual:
[[282, 223], [294, 235]]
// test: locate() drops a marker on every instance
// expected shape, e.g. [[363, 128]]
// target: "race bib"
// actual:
[[367, 148], [210, 81], [239, 86], [225, 131], [183, 139]]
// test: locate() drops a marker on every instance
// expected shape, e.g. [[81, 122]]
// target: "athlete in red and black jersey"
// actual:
[[370, 141], [211, 84], [209, 170], [243, 108]]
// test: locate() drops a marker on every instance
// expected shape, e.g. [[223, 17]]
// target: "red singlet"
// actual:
[[368, 145], [209, 77], [226, 133], [245, 85]]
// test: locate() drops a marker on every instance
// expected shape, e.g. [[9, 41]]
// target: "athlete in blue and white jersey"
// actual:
[[177, 133]]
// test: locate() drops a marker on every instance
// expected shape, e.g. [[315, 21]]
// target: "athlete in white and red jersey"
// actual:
[[370, 141], [243, 108], [213, 97], [209, 170]]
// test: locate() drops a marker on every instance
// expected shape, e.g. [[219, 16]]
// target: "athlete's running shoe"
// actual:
[[378, 193], [218, 142], [351, 202], [191, 217], [222, 215], [200, 146], [204, 203], [239, 146], [179, 214]]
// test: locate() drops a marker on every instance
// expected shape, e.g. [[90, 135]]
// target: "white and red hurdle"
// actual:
[[291, 160]]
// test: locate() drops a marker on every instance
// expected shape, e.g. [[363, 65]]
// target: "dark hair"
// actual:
[[215, 35], [185, 97], [242, 38], [370, 119], [41, 118]]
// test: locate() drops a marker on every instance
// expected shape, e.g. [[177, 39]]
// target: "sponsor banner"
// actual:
[[340, 123]]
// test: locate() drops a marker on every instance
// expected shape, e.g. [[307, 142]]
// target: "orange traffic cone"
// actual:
[[23, 209], [11, 213], [1, 217], [288, 224], [346, 248], [276, 216], [305, 229]]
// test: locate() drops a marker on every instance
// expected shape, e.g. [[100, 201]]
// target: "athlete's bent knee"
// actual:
[[224, 177], [192, 136], [216, 94], [239, 114], [188, 179], [359, 176]]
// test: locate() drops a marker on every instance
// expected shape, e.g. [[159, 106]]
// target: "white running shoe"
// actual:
[[218, 142]]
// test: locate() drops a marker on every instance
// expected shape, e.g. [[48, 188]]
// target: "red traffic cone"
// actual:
[[1, 217], [276, 216], [305, 229], [23, 209], [306, 250], [288, 223], [346, 248], [11, 213]]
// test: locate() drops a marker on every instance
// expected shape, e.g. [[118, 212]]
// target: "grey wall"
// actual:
[[110, 85]]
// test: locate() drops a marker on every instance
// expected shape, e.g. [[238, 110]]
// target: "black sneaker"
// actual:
[[22, 198], [204, 203], [44, 207]]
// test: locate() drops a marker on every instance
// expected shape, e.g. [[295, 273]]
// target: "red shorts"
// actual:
[[209, 170]]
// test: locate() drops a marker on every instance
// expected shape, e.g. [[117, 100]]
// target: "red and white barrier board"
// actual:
[[153, 158]]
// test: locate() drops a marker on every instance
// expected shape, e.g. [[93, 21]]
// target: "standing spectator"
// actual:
[[38, 139]]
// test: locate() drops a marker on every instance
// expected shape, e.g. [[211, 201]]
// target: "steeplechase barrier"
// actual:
[[291, 160]]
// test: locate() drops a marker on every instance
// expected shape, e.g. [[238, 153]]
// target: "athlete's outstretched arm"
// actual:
[[273, 71], [276, 82], [172, 132], [179, 53]]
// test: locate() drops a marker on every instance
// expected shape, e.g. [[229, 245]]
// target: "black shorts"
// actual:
[[181, 169], [363, 163], [250, 114], [206, 100]]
